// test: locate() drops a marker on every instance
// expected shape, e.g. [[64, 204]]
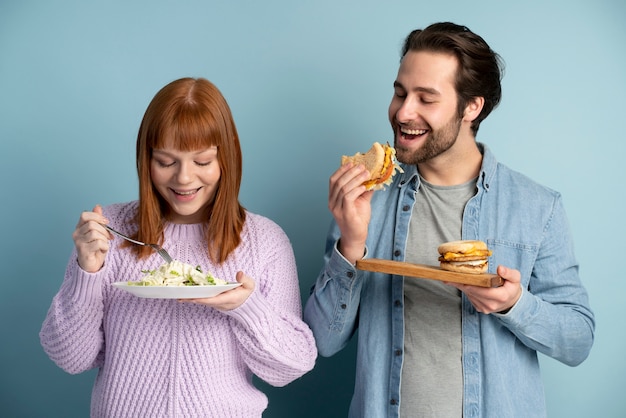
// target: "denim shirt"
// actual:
[[525, 226]]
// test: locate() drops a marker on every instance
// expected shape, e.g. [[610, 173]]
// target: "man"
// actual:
[[433, 349]]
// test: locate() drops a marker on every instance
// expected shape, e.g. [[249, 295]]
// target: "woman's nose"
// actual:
[[184, 173]]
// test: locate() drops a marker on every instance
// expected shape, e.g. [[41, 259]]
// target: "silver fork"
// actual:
[[160, 250]]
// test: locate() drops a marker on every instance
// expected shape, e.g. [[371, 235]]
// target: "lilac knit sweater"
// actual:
[[163, 358]]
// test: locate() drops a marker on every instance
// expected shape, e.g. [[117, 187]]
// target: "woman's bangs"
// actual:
[[189, 131]]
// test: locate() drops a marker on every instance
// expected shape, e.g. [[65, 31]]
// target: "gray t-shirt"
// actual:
[[432, 370]]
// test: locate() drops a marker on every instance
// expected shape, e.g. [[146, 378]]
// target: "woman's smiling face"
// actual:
[[187, 181]]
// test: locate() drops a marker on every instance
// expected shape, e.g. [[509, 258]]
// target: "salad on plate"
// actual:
[[177, 273]]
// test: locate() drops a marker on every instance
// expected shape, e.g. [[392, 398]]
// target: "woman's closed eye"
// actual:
[[203, 163], [165, 163]]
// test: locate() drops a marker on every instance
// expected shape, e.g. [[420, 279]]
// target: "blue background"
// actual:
[[307, 81]]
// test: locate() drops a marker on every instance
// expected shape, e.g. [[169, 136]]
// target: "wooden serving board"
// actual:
[[428, 272]]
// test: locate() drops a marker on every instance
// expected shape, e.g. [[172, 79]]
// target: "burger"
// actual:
[[380, 161], [465, 256]]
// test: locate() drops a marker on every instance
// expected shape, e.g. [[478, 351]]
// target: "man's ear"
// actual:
[[473, 108]]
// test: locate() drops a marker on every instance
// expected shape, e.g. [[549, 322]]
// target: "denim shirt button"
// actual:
[[350, 274], [474, 411], [398, 352], [344, 306], [406, 208], [393, 401], [397, 253], [397, 303]]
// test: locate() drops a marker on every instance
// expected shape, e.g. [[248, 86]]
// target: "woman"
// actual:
[[167, 357]]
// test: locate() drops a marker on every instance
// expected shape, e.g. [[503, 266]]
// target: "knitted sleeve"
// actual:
[[71, 333], [275, 343]]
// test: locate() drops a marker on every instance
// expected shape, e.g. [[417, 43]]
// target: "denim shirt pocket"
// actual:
[[516, 255]]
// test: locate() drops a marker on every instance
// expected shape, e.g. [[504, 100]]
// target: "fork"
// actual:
[[160, 250]]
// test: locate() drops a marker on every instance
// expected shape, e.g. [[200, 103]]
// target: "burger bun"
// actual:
[[471, 267]]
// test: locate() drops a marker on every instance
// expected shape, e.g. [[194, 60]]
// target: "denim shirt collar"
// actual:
[[488, 168]]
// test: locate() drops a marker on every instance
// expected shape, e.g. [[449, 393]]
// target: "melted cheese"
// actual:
[[473, 253]]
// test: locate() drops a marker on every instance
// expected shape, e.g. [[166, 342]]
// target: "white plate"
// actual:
[[175, 292]]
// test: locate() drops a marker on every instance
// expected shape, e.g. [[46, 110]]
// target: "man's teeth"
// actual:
[[414, 131]]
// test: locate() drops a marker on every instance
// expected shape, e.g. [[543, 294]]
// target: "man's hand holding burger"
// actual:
[[349, 204], [350, 193]]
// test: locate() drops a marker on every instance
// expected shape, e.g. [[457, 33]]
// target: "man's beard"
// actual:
[[438, 142]]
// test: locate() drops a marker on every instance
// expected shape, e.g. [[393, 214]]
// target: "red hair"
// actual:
[[191, 114]]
